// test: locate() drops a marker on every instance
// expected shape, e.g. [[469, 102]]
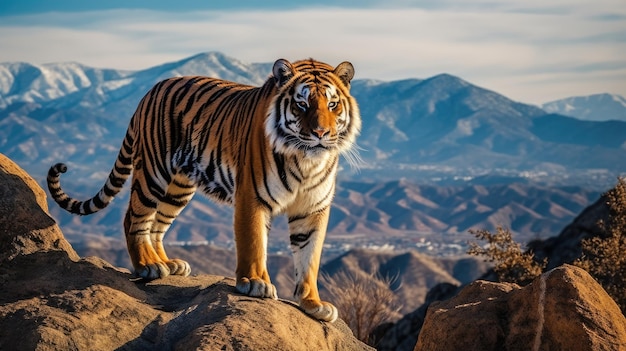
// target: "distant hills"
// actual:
[[597, 107], [467, 156], [397, 207]]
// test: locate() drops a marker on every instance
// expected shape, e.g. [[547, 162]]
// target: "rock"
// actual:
[[89, 305], [53, 300], [478, 299], [25, 226], [563, 309]]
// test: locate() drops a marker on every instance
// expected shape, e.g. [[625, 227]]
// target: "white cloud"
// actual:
[[524, 50]]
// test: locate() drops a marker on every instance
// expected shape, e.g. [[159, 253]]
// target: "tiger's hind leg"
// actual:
[[179, 193], [146, 221], [138, 222]]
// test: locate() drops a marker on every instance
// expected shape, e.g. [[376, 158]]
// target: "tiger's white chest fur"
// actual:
[[310, 184]]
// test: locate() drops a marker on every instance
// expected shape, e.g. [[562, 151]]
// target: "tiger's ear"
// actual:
[[283, 71], [345, 72]]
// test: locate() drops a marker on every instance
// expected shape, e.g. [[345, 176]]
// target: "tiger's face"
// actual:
[[313, 112]]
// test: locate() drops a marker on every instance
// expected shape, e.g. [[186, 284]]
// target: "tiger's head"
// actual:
[[313, 111]]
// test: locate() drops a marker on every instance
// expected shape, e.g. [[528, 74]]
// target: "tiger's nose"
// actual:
[[320, 132]]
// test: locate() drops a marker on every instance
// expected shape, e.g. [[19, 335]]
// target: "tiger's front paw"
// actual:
[[322, 310], [153, 271], [178, 267], [256, 287]]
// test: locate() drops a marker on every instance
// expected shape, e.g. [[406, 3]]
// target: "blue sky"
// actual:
[[532, 51]]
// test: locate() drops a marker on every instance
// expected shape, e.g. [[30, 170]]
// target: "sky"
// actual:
[[532, 51]]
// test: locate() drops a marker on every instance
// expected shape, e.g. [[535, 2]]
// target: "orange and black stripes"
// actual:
[[266, 150]]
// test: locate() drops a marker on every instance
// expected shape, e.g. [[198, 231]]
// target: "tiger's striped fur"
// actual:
[[266, 150]]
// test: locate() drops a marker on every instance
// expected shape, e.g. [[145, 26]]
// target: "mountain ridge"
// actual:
[[595, 107]]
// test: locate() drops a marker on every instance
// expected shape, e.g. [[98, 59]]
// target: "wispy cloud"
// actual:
[[527, 50]]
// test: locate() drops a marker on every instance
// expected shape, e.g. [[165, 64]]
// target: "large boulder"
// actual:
[[563, 309], [52, 300], [25, 226]]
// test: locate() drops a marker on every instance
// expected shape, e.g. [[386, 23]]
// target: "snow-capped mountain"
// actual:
[[24, 82], [71, 84], [597, 107]]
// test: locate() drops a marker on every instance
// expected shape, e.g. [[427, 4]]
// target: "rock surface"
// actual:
[[53, 300], [563, 309], [25, 226]]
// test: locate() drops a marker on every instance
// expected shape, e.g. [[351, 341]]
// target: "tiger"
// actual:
[[267, 151]]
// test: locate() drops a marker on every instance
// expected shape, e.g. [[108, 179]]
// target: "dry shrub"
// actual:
[[511, 264], [364, 301], [604, 257]]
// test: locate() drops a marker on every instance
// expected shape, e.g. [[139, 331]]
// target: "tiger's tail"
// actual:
[[121, 171]]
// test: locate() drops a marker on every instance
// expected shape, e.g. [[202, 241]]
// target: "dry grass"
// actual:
[[364, 301]]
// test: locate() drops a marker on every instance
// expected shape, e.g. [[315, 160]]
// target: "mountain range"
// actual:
[[439, 154], [414, 126], [444, 122]]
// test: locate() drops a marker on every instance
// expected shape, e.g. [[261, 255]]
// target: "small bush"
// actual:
[[604, 257], [510, 263], [364, 301]]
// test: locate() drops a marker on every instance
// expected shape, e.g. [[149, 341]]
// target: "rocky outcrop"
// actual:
[[25, 226], [563, 309], [52, 300]]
